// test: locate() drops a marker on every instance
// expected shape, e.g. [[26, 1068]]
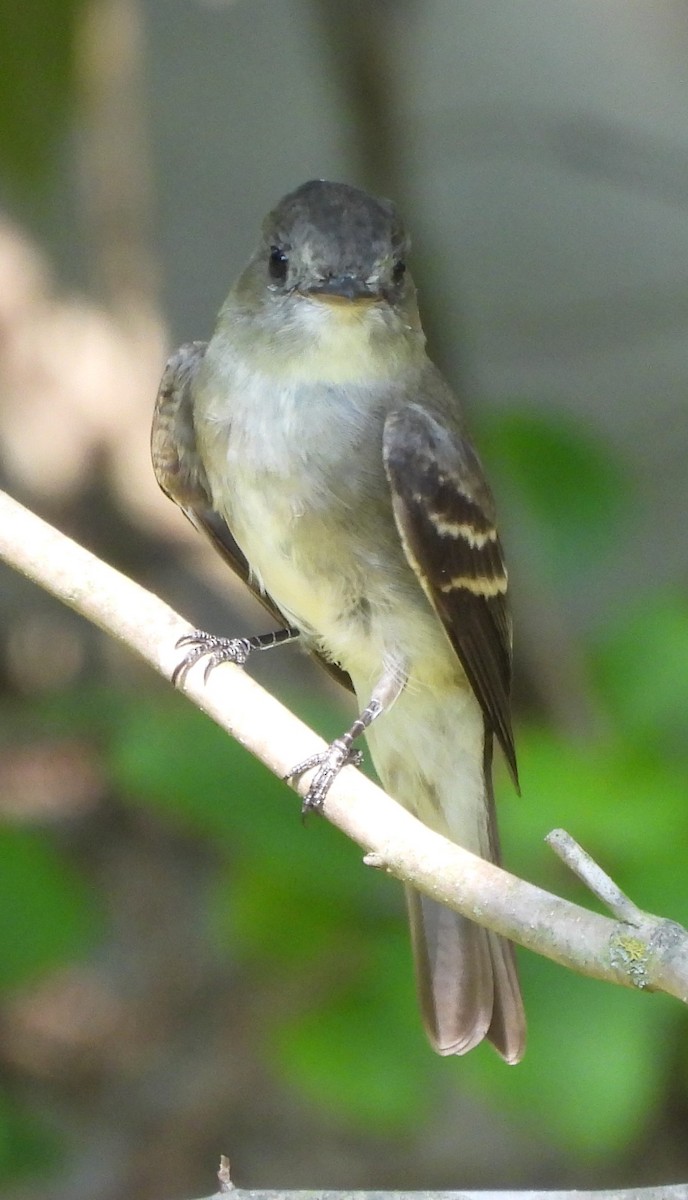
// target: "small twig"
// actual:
[[595, 879], [223, 1176], [374, 860]]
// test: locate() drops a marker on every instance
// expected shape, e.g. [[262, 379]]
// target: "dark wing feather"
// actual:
[[180, 472], [445, 516]]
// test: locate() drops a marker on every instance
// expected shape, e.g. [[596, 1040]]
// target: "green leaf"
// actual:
[[585, 1039], [625, 805], [642, 670], [359, 1052], [25, 1142], [573, 486], [173, 757], [37, 82], [47, 911]]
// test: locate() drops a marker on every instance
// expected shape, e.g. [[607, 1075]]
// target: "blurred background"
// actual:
[[184, 969]]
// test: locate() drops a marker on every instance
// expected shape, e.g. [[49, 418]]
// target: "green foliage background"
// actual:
[[38, 85]]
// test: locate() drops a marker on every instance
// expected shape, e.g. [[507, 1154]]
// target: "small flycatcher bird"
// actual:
[[324, 455]]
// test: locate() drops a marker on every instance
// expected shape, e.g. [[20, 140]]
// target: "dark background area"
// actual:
[[184, 969]]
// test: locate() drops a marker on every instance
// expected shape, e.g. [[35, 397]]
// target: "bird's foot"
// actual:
[[330, 762], [215, 649]]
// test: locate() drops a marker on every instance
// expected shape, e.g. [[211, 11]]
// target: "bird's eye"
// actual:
[[279, 262], [398, 270]]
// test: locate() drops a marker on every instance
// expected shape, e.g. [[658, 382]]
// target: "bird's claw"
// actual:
[[330, 762], [216, 649]]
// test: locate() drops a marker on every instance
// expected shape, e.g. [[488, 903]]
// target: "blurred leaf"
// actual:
[[360, 1051], [586, 1039], [47, 913], [642, 670], [621, 797], [574, 487], [286, 909], [84, 709], [172, 756], [261, 913], [25, 1141], [625, 806], [37, 81]]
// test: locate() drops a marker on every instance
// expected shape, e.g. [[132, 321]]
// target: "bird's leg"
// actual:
[[221, 649], [341, 753]]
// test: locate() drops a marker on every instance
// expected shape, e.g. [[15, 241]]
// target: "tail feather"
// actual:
[[453, 974], [467, 982], [507, 1030], [466, 976]]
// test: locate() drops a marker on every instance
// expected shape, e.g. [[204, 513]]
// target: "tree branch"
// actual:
[[670, 1191], [637, 950], [676, 1191]]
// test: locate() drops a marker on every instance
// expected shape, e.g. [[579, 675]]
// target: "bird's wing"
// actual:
[[445, 516], [180, 473]]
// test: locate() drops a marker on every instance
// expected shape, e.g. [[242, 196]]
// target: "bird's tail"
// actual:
[[467, 978], [467, 982]]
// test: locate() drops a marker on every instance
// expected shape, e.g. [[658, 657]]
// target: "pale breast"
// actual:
[[296, 469], [313, 568]]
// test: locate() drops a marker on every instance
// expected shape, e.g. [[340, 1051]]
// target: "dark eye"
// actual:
[[278, 264], [398, 270]]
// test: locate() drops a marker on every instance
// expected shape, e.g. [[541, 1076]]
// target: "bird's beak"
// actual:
[[343, 289]]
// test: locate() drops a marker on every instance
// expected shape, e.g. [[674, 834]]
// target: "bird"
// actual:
[[323, 454]]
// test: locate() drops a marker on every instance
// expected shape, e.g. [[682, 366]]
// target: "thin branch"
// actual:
[[648, 953], [670, 1191], [675, 1191], [595, 879]]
